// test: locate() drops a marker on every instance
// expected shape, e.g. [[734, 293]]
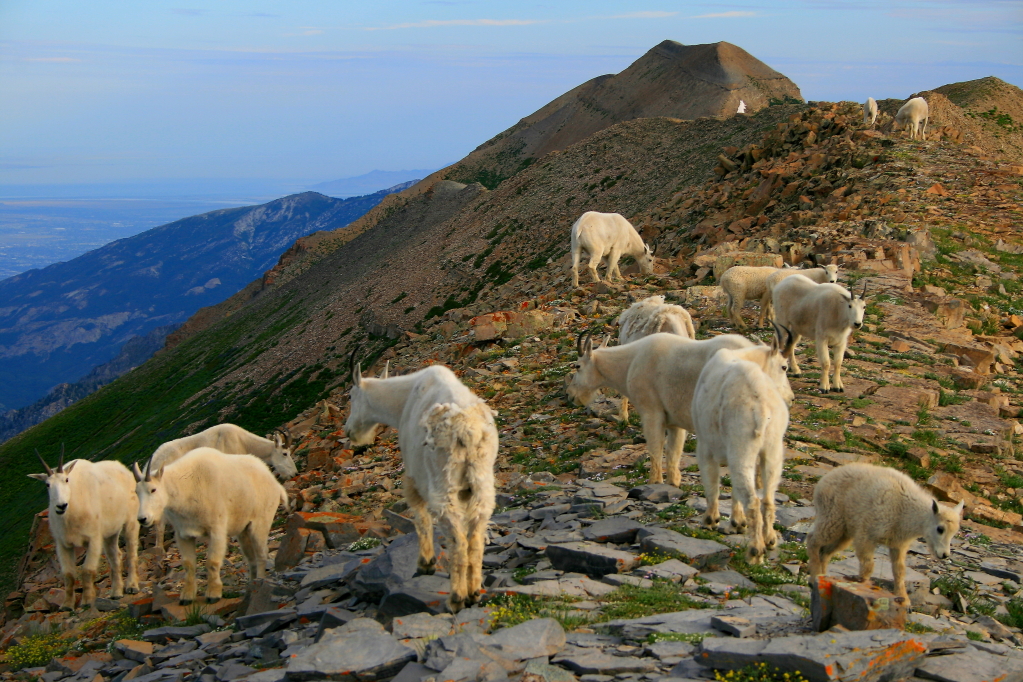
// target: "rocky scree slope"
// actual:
[[934, 388], [59, 322]]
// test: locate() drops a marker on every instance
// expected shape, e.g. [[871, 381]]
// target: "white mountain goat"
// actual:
[[743, 283], [869, 111], [658, 373], [448, 443], [820, 274], [740, 411], [827, 313], [207, 494], [652, 316], [866, 506], [915, 113], [228, 439], [91, 504], [608, 237]]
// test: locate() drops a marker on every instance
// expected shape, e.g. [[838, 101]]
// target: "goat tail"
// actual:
[[285, 501], [469, 438]]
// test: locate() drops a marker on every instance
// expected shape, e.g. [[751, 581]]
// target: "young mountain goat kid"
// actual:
[[607, 236], [652, 316], [866, 506], [658, 373], [827, 313], [229, 440], [92, 504], [207, 494], [448, 443], [741, 411]]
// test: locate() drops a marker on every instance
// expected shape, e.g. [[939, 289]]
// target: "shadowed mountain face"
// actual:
[[59, 322], [673, 80]]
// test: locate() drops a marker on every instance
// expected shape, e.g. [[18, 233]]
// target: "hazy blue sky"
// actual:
[[308, 91]]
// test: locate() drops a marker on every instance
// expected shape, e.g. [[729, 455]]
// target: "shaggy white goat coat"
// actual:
[[207, 494], [740, 411], [448, 443], [607, 236], [743, 283], [869, 111], [91, 504], [658, 374], [866, 506], [228, 439], [821, 274], [827, 313], [915, 113], [652, 316]]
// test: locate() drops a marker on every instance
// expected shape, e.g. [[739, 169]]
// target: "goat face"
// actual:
[[583, 384], [281, 461], [152, 495], [944, 524], [58, 483], [832, 271], [646, 261], [360, 428], [854, 311]]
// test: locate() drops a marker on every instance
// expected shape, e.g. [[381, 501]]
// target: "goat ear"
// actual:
[[934, 506], [137, 472], [357, 375], [587, 345], [69, 467], [959, 507], [603, 343], [387, 370], [39, 477]]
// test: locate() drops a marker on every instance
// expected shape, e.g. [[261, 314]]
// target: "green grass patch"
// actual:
[[629, 601]]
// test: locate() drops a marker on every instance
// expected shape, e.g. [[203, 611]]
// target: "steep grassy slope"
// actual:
[[284, 350]]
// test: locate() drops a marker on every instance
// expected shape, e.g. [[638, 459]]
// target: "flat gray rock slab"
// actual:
[[269, 675], [352, 657], [971, 666], [662, 650], [733, 625], [550, 673], [596, 662], [421, 625], [672, 569], [532, 639], [423, 593], [591, 558], [868, 656], [915, 580], [762, 611], [331, 573], [790, 516], [616, 530], [656, 492], [730, 578], [703, 554], [389, 569]]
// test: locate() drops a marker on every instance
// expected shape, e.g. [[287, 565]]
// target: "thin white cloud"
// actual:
[[725, 15], [644, 15], [52, 60], [434, 23]]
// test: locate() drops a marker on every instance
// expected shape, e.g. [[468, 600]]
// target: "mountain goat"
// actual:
[[743, 283], [827, 313], [740, 411], [229, 440], [866, 506], [607, 236], [651, 316], [915, 113], [92, 503], [820, 274], [448, 443], [869, 111], [658, 373], [207, 494]]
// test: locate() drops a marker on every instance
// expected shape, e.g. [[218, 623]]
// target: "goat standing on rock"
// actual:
[[207, 494], [741, 411], [866, 506], [92, 504], [658, 373], [448, 443], [826, 312], [607, 236]]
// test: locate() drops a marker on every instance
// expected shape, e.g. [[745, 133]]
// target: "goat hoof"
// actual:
[[212, 600], [426, 567], [67, 608], [184, 602], [116, 596], [131, 590]]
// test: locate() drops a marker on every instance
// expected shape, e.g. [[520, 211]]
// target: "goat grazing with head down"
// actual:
[[652, 316], [607, 236], [207, 494], [740, 411], [827, 313], [448, 443], [228, 439], [658, 374], [91, 504]]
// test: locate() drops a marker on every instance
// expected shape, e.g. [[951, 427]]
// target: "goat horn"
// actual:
[[136, 472], [387, 369], [864, 294], [49, 471], [351, 358], [60, 465], [149, 469], [579, 343]]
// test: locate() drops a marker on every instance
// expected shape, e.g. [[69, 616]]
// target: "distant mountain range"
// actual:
[[369, 182], [59, 322]]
